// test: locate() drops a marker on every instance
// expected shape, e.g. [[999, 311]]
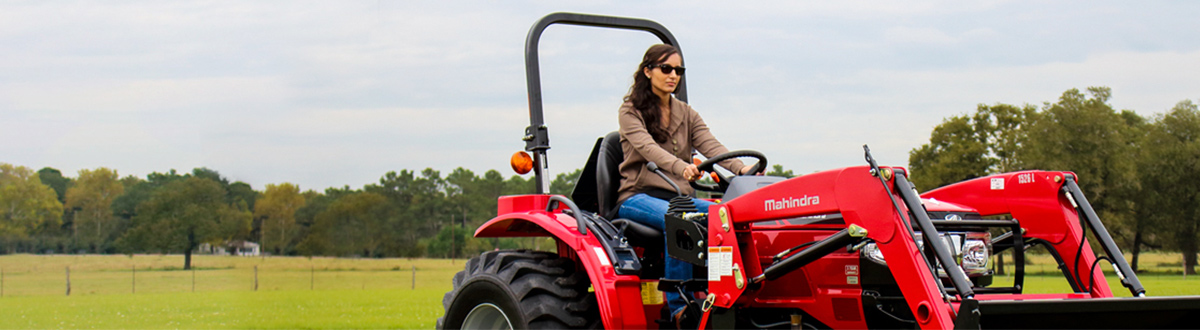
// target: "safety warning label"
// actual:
[[720, 262]]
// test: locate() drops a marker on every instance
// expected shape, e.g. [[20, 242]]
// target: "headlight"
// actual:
[[972, 251], [975, 253], [873, 253]]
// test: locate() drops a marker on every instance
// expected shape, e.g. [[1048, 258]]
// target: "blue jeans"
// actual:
[[650, 211]]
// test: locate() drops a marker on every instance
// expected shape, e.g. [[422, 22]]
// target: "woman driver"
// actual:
[[656, 127]]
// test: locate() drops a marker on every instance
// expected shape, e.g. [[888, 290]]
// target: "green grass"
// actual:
[[317, 293], [293, 293], [372, 309]]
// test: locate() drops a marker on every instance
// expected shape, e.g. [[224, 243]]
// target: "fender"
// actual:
[[526, 216]]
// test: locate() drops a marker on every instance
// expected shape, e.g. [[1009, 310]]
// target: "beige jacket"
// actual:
[[687, 131]]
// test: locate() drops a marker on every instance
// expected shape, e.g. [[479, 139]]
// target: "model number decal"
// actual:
[[1024, 178]]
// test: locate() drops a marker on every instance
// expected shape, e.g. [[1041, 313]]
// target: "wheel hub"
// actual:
[[487, 316]]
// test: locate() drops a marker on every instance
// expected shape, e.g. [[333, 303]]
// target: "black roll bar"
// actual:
[[537, 139]]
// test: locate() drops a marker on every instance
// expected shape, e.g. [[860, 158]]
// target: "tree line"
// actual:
[[405, 214], [1142, 175]]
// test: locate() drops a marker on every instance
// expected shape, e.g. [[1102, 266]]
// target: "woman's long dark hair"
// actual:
[[641, 94]]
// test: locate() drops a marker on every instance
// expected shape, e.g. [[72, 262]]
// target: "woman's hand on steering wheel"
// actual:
[[691, 173], [722, 184]]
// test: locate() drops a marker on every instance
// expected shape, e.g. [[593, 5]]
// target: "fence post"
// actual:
[[255, 277], [414, 277], [68, 280], [1, 282], [312, 277], [133, 282]]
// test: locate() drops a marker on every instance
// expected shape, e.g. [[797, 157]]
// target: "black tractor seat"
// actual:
[[596, 191]]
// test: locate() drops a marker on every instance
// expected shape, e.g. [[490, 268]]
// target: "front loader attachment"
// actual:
[[1053, 211], [879, 208]]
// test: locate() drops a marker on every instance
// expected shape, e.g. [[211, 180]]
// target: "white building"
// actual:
[[236, 248]]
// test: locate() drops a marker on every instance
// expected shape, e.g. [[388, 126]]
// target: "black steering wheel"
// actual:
[[723, 183]]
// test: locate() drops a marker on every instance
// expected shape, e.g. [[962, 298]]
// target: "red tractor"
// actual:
[[855, 247]]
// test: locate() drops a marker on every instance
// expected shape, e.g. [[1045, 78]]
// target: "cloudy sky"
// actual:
[[335, 93]]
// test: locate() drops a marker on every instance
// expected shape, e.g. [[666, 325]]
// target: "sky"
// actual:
[[338, 93]]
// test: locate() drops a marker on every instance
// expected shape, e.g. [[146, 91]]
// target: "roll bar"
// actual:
[[537, 138]]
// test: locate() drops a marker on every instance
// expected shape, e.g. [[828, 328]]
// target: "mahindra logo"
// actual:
[[791, 202]]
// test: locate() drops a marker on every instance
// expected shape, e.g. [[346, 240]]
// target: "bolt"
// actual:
[[700, 255]]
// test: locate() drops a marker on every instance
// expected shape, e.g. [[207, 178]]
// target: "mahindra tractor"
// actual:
[[854, 247]]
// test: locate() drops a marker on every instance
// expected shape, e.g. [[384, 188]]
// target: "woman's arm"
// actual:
[[707, 144]]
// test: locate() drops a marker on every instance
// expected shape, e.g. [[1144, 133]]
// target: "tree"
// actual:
[[564, 183], [965, 147], [26, 204], [184, 213], [1087, 136], [357, 223], [91, 200], [277, 212], [53, 177], [138, 191], [777, 170], [956, 151], [1170, 199]]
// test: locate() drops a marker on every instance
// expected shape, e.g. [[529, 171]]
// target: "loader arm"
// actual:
[[861, 200], [1049, 206]]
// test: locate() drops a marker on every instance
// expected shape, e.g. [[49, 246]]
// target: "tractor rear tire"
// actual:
[[519, 290]]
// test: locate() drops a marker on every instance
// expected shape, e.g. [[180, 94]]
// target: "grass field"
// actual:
[[293, 293], [152, 292]]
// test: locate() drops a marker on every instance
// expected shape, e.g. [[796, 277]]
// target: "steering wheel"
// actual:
[[723, 183]]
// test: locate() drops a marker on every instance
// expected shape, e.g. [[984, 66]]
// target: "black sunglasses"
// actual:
[[667, 68]]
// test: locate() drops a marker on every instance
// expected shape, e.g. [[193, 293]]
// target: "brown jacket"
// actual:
[[688, 132]]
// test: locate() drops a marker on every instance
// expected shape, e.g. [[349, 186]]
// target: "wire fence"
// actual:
[[30, 275]]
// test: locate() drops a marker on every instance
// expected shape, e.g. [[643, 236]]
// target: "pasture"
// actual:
[[152, 292]]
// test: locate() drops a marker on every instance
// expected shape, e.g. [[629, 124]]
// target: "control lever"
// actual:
[[654, 168]]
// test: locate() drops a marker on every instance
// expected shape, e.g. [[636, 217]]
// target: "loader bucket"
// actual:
[[1093, 313]]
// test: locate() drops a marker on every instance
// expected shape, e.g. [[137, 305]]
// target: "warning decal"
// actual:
[[720, 262]]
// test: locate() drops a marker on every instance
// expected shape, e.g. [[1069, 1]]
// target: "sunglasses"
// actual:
[[667, 68]]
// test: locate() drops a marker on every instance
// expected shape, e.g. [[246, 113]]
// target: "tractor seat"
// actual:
[[608, 173], [608, 180]]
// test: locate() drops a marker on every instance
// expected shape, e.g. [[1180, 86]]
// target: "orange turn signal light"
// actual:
[[714, 175], [521, 162]]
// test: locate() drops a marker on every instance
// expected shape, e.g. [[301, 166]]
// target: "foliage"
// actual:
[[357, 224], [276, 214], [966, 147], [26, 204], [777, 170], [1171, 199], [564, 183], [90, 201], [1124, 164], [183, 214], [53, 177]]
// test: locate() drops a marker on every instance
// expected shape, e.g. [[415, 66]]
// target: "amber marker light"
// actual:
[[713, 175], [521, 162]]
